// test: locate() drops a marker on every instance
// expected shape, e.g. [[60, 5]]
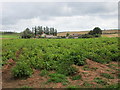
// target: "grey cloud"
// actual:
[[13, 12]]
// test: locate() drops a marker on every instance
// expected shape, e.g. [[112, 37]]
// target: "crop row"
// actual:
[[57, 54]]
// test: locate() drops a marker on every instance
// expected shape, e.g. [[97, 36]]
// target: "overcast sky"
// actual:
[[64, 16]]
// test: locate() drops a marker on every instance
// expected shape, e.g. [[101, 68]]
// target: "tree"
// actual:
[[40, 31], [97, 30], [91, 32], [51, 31], [47, 30], [55, 32], [26, 33], [67, 34], [35, 30]]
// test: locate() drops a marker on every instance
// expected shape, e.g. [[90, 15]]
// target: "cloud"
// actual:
[[62, 15], [70, 23]]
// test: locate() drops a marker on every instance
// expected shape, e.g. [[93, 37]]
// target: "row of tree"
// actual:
[[40, 30], [27, 33]]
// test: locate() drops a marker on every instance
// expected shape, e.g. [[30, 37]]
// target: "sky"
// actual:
[[64, 16]]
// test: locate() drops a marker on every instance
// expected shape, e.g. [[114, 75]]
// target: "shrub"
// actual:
[[97, 35], [79, 60], [86, 36], [67, 70], [26, 33], [22, 69], [63, 37], [44, 72], [65, 67]]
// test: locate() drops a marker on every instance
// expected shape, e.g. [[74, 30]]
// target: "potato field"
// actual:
[[61, 63]]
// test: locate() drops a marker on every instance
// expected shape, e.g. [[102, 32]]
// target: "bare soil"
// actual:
[[37, 81], [110, 35]]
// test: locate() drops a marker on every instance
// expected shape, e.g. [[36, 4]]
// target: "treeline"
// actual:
[[8, 32], [38, 31]]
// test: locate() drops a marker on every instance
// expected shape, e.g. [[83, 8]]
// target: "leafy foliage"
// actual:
[[22, 70], [96, 30], [57, 54], [44, 72], [26, 33]]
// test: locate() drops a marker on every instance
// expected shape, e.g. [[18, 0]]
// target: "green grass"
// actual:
[[9, 36]]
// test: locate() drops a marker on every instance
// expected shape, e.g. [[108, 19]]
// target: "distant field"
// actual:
[[85, 32], [77, 32], [110, 35], [9, 36]]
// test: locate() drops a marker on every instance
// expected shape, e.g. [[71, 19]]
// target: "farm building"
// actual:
[[43, 35], [75, 35], [51, 36]]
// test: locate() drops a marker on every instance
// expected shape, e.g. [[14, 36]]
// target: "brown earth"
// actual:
[[110, 35], [85, 32], [71, 33], [37, 81]]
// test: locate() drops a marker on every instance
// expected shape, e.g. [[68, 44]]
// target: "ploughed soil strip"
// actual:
[[36, 81]]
